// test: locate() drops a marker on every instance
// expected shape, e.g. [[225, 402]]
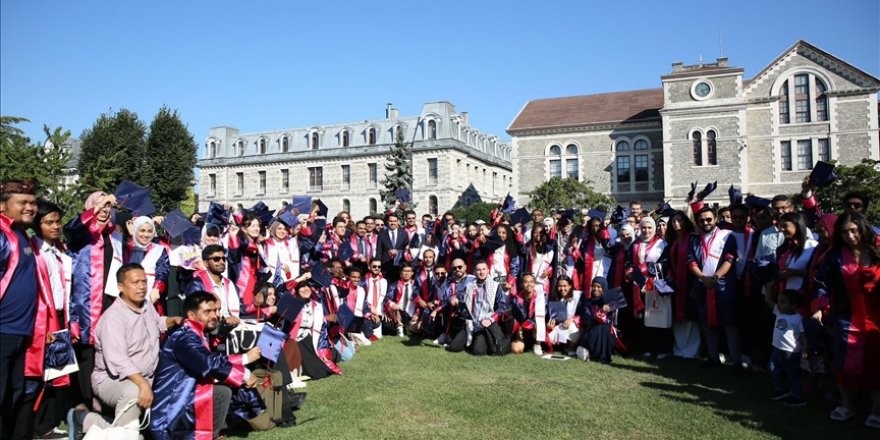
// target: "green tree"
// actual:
[[864, 177], [568, 193], [474, 212], [399, 171], [113, 150], [168, 168]]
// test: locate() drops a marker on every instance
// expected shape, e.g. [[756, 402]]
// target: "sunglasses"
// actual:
[[217, 259], [375, 267], [439, 274], [706, 220], [458, 267]]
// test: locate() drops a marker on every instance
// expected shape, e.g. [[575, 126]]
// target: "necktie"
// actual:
[[406, 294], [375, 294], [361, 249], [393, 238]]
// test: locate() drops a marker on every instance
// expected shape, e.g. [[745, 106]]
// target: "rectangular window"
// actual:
[[432, 171], [785, 152], [571, 167], [212, 190], [316, 178], [346, 177], [623, 174], [784, 115], [641, 172], [805, 154], [494, 178], [374, 175], [824, 150], [555, 168], [239, 184], [802, 98], [802, 110], [262, 175], [285, 181]]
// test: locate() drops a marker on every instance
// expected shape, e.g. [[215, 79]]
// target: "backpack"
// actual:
[[498, 342]]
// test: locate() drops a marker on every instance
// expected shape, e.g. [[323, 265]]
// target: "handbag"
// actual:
[[130, 431], [345, 348], [658, 304]]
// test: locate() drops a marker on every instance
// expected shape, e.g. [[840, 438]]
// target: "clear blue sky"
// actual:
[[266, 65]]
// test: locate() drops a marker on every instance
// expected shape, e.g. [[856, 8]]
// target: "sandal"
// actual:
[[873, 422], [841, 414]]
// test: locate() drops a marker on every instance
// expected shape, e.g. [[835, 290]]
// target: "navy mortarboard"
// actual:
[[707, 190], [520, 216], [595, 213], [322, 208], [262, 212], [403, 195], [217, 214], [508, 205], [756, 202], [822, 175], [134, 198], [320, 276], [735, 195], [176, 223], [301, 205]]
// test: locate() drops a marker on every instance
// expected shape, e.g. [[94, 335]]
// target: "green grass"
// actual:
[[401, 388]]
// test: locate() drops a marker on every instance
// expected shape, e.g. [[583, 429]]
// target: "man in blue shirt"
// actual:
[[18, 294]]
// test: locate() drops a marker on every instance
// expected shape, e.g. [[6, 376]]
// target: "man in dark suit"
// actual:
[[391, 246]]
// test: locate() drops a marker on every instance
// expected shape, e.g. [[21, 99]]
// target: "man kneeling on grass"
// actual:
[[481, 305], [191, 401]]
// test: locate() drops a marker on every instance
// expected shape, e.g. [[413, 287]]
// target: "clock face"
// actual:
[[702, 89]]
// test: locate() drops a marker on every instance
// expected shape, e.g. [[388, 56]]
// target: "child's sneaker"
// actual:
[[583, 354], [779, 395], [794, 402]]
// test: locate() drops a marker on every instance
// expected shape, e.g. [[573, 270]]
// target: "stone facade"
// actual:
[[344, 164], [707, 123]]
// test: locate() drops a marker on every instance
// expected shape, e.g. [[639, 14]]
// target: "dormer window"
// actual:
[[314, 141], [371, 136], [285, 144]]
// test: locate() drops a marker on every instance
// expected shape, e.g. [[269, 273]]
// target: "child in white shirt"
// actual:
[[789, 344]]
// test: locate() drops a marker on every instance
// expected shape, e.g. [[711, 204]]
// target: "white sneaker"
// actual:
[[721, 358], [296, 384], [537, 350], [360, 339], [400, 331], [440, 341], [583, 354]]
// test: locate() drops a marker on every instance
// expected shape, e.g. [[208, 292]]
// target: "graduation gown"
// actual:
[[183, 388]]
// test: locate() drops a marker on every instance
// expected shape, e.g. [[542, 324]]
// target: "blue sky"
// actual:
[[264, 65]]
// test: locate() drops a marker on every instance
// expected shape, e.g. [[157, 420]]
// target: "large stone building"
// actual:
[[705, 123], [344, 164]]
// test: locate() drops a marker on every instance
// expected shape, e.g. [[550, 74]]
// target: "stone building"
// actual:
[[705, 123], [344, 164]]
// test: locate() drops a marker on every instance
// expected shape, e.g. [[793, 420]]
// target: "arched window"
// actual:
[[373, 206], [803, 94], [285, 144], [314, 143], [261, 146], [371, 136], [432, 205], [346, 205], [711, 149], [697, 138], [632, 165], [432, 129], [345, 138], [555, 150], [555, 161], [212, 149], [239, 151]]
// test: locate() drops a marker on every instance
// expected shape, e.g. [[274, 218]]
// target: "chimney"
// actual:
[[394, 113], [464, 118], [677, 66], [722, 61], [388, 109]]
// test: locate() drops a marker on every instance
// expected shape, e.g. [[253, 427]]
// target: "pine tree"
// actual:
[[168, 168], [112, 150], [399, 171]]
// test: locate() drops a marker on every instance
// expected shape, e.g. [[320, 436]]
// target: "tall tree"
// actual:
[[558, 193], [864, 177], [112, 150], [399, 171], [168, 167]]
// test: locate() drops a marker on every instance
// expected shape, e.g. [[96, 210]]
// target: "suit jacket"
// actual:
[[384, 244]]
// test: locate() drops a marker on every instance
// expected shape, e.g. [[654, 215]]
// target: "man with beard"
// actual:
[[192, 386], [18, 294], [480, 306]]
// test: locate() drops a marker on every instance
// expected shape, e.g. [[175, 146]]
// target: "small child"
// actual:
[[789, 343]]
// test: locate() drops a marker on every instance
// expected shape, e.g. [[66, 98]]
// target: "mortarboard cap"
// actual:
[[567, 213], [403, 195], [270, 341], [707, 190], [320, 276], [692, 191], [176, 224], [509, 204], [262, 212], [322, 208], [558, 311], [520, 216], [345, 316], [288, 218], [595, 213], [493, 242], [757, 202], [666, 210], [134, 198], [735, 195], [822, 175], [301, 205], [289, 306], [192, 235], [345, 251], [217, 214]]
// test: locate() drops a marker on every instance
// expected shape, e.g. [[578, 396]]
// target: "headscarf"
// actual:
[[138, 222], [92, 200], [828, 221], [601, 282], [651, 222], [664, 220], [632, 233]]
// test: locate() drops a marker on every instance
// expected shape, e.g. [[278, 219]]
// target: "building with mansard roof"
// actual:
[[343, 164], [704, 123]]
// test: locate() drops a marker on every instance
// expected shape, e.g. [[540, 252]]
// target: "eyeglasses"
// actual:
[[440, 274], [706, 220], [458, 267], [217, 259]]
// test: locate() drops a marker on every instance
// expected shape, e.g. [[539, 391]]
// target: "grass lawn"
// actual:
[[401, 388]]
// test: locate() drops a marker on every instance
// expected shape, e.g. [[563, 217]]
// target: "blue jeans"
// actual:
[[785, 372]]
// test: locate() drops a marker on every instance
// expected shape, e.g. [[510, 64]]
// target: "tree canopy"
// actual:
[[864, 177], [567, 193], [168, 166]]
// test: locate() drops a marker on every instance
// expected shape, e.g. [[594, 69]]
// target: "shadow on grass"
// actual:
[[743, 398]]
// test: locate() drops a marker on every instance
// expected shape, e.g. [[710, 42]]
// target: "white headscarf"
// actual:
[[138, 222], [650, 221], [632, 232]]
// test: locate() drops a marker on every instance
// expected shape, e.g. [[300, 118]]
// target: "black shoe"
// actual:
[[779, 395], [54, 434], [794, 402]]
